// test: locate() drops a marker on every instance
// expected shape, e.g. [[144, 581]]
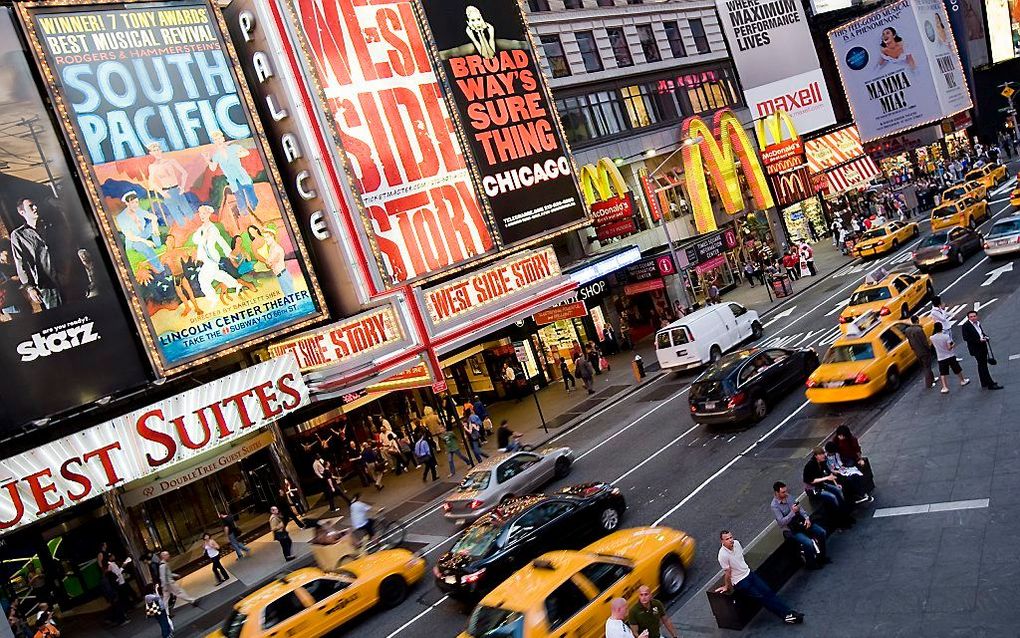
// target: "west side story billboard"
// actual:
[[506, 115], [900, 68], [60, 314], [177, 173]]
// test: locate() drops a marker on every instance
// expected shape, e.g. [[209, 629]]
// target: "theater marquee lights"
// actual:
[[720, 147]]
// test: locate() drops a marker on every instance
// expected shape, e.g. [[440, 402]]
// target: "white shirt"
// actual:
[[941, 315], [734, 561], [359, 514], [977, 326], [318, 467], [617, 628], [943, 346]]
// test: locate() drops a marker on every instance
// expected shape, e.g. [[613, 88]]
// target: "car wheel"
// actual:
[[892, 380], [972, 224], [714, 354], [756, 330], [895, 244], [672, 576], [392, 591], [609, 520], [759, 408], [904, 312], [562, 467]]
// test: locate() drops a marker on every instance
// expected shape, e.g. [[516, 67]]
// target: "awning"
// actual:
[[856, 174]]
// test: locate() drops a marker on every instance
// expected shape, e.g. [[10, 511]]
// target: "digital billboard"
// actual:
[[177, 172], [1003, 29]]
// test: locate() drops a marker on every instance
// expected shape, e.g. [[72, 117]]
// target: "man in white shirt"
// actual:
[[739, 577], [945, 353], [361, 522], [941, 315], [616, 625]]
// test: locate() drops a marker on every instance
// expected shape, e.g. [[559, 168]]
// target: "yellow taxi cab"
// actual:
[[870, 358], [882, 239], [974, 189], [965, 211], [896, 295], [1014, 197], [313, 602], [989, 175], [567, 593]]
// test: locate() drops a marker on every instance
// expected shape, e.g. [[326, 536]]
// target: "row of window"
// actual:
[[543, 5], [553, 47], [601, 114]]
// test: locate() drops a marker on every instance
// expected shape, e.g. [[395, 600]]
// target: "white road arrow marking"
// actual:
[[998, 272], [1014, 357], [782, 315], [838, 307]]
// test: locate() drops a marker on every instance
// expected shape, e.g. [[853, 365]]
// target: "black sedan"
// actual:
[[523, 528], [741, 386], [949, 247]]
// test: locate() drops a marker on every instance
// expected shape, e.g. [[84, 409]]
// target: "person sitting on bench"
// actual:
[[741, 578], [820, 482], [799, 527]]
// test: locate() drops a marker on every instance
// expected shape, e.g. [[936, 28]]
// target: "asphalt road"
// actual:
[[697, 478]]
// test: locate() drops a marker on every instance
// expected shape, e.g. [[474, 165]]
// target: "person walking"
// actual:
[[749, 273], [374, 464], [790, 263], [584, 370], [616, 624], [737, 576], [807, 258], [980, 348], [453, 449], [155, 607], [941, 315], [647, 615], [168, 584], [798, 526], [212, 551], [473, 429], [921, 346], [279, 528], [569, 382], [325, 482], [426, 455], [945, 353], [233, 533]]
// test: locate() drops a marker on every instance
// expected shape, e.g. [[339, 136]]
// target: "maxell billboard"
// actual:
[[900, 68], [506, 115], [65, 338], [772, 47]]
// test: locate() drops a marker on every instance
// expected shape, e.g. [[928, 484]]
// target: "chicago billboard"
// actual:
[[894, 61], [60, 312], [175, 166], [506, 115]]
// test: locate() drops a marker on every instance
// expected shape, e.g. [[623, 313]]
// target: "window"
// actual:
[[281, 609], [710, 91], [606, 113], [635, 1], [900, 285], [648, 44], [681, 337], [561, 605], [607, 3], [753, 367], [605, 575], [849, 352], [621, 50], [534, 518], [538, 5], [589, 51], [573, 4], [700, 39], [526, 460], [507, 470], [777, 355], [890, 339], [675, 39], [737, 309], [322, 588], [553, 49]]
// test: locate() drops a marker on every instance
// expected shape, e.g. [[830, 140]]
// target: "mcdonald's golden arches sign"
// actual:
[[608, 198]]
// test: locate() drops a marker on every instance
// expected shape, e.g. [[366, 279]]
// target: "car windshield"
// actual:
[[475, 481], [869, 295], [1005, 227], [489, 622], [935, 239], [477, 541], [955, 192], [235, 622], [850, 352], [944, 211], [874, 233]]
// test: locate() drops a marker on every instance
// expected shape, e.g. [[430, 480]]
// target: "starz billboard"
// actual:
[[178, 176]]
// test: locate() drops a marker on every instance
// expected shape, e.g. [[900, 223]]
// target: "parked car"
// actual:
[[946, 247], [741, 386], [521, 529], [503, 476], [1004, 237], [704, 335]]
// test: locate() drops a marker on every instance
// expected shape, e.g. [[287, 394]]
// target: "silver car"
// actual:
[[502, 476], [1004, 237]]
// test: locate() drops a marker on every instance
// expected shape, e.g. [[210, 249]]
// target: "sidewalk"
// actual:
[[937, 557]]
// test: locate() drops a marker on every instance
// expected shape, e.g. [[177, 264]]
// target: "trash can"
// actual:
[[782, 286]]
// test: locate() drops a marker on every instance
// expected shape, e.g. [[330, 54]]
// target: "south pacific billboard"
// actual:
[[175, 166]]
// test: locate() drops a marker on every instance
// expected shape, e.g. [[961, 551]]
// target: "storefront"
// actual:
[[805, 220]]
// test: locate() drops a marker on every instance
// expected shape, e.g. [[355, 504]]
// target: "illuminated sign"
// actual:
[[491, 285], [608, 198], [720, 147], [833, 149], [783, 156], [601, 181], [793, 186], [559, 313]]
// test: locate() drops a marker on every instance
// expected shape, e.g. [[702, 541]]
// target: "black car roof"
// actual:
[[727, 365], [514, 506]]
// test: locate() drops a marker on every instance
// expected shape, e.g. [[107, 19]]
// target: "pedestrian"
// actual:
[[807, 258], [507, 439], [290, 513], [823, 484], [233, 533], [453, 449], [713, 294], [483, 414], [154, 565], [168, 584], [737, 576], [945, 354], [616, 624], [212, 551], [45, 625], [798, 526], [473, 429], [849, 449], [426, 455], [790, 264], [648, 614], [279, 528], [155, 607], [293, 495], [16, 619], [921, 346], [325, 480], [940, 314], [569, 382], [431, 421], [374, 464], [114, 580], [583, 369], [980, 348]]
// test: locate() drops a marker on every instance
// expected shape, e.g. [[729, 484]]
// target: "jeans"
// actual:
[[237, 545], [752, 585], [177, 206], [148, 252], [449, 456], [814, 533], [286, 282], [246, 198], [218, 571], [477, 449]]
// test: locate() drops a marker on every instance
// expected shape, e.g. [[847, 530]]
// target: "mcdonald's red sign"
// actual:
[[792, 187]]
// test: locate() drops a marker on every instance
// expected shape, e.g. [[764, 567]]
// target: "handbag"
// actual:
[[153, 609], [991, 355]]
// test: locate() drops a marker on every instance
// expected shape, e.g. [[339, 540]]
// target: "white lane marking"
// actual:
[[839, 306], [723, 469], [960, 278], [950, 506], [784, 314], [993, 275], [661, 450], [418, 617], [1014, 357], [611, 405]]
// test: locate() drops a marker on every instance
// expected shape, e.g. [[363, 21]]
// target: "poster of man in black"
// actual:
[[64, 338], [506, 116]]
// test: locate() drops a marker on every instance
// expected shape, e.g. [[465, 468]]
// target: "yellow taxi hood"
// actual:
[[859, 309]]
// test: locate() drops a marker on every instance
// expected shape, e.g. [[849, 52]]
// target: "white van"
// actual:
[[704, 335]]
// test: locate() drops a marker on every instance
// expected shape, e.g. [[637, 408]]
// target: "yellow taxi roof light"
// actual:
[[876, 276]]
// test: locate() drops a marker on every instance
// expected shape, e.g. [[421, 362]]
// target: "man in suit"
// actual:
[[977, 345]]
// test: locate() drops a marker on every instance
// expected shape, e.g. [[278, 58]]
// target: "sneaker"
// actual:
[[871, 499], [944, 390], [863, 499], [791, 619], [964, 382]]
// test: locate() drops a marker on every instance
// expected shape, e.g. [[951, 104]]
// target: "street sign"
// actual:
[[1008, 92], [439, 386]]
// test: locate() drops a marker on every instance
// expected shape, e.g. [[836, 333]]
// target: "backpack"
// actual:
[[421, 449]]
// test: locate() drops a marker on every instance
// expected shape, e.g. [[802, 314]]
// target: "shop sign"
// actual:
[[613, 217], [711, 264], [793, 186], [559, 313], [716, 157], [591, 291], [665, 265], [707, 248], [506, 114], [85, 329], [729, 237], [1003, 23], [833, 149], [782, 148], [494, 284], [417, 376], [439, 387], [644, 286], [644, 270], [601, 181], [347, 342], [57, 475], [163, 484], [900, 68], [177, 172]]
